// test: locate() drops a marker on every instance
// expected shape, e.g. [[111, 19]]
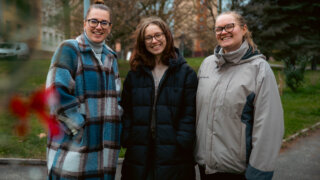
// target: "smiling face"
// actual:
[[97, 34], [230, 41], [157, 41]]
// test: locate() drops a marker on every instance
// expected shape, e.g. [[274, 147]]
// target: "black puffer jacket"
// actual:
[[175, 122]]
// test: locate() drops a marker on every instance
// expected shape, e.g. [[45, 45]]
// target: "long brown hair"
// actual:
[[240, 19], [140, 54]]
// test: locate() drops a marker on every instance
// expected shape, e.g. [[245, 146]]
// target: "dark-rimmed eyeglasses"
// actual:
[[228, 28], [94, 23], [157, 36]]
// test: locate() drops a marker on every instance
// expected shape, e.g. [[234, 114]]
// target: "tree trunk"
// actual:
[[66, 19], [314, 63]]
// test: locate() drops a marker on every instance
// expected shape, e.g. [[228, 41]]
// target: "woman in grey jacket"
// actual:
[[239, 111]]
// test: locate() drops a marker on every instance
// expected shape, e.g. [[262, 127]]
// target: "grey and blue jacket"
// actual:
[[239, 114]]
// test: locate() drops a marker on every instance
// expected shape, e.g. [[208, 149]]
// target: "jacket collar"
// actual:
[[178, 61], [241, 55]]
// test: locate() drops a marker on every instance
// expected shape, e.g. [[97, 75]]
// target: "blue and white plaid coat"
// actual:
[[88, 110]]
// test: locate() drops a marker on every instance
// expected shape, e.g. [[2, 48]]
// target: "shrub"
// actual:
[[295, 74]]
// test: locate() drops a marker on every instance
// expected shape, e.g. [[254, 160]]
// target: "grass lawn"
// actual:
[[301, 109]]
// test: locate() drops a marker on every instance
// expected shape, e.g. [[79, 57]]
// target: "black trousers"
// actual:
[[220, 176]]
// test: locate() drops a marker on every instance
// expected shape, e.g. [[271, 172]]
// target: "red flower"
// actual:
[[38, 103]]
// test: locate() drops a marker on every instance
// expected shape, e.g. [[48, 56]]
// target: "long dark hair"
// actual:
[[140, 54]]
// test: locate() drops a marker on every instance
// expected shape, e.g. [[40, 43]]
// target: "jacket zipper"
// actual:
[[154, 103]]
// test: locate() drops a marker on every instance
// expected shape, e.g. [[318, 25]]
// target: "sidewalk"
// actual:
[[299, 160]]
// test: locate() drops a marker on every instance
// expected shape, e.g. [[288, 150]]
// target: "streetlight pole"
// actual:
[[1, 19], [86, 4]]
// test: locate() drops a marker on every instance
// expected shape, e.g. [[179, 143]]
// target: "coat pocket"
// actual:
[[243, 144]]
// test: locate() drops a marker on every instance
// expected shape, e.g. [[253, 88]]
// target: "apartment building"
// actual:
[[33, 22], [50, 36], [19, 21], [193, 27]]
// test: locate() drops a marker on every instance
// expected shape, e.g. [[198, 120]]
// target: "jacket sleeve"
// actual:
[[117, 84], [61, 76], [126, 104], [268, 126], [186, 125]]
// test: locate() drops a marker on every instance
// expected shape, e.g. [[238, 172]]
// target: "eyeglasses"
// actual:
[[94, 23], [157, 36], [228, 28]]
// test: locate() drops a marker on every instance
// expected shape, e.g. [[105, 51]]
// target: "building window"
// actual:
[[201, 19], [43, 17], [44, 37], [50, 38]]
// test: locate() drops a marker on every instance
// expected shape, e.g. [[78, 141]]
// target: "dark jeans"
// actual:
[[218, 175]]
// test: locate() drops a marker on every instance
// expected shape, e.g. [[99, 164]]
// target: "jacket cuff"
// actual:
[[185, 142], [74, 126], [254, 174]]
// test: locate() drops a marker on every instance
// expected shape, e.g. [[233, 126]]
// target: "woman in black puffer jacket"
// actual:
[[158, 99]]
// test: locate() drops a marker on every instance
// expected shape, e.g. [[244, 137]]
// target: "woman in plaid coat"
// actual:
[[84, 73]]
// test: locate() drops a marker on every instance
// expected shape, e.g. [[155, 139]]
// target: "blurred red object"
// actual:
[[38, 103], [18, 107]]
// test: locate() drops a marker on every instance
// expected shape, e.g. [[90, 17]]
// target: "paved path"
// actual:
[[299, 161], [22, 172]]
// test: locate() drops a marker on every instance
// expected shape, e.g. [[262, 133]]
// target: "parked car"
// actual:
[[17, 50]]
